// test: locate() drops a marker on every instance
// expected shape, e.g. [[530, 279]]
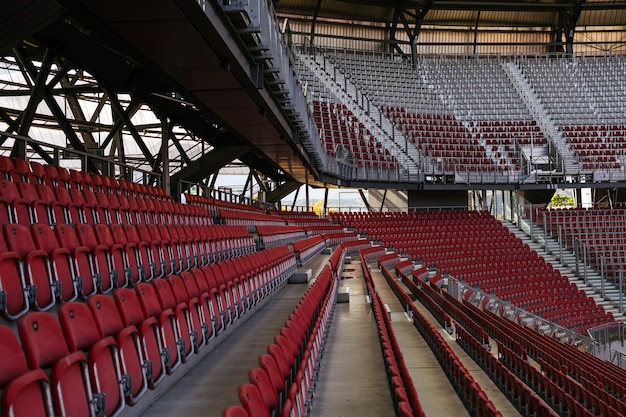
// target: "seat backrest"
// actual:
[[106, 315], [118, 234], [131, 233], [128, 306], [164, 293], [18, 239], [12, 359], [189, 281], [62, 195], [269, 365], [44, 237], [262, 381], [252, 401], [103, 235], [27, 191], [281, 361], [26, 393], [43, 340], [79, 327], [178, 289], [66, 235], [86, 235], [148, 300]]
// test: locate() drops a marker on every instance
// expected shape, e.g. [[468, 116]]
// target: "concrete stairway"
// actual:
[[359, 104], [539, 114]]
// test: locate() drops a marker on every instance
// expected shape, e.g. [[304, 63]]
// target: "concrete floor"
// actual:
[[435, 391], [352, 379], [212, 385]]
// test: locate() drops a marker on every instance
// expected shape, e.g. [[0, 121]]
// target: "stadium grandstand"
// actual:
[[137, 280]]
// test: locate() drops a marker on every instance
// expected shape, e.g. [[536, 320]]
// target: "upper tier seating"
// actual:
[[339, 127], [476, 248], [583, 97], [597, 147], [446, 140]]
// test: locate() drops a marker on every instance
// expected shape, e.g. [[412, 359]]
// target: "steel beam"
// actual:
[[117, 107]]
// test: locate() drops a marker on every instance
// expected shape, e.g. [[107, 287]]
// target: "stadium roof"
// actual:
[[484, 13]]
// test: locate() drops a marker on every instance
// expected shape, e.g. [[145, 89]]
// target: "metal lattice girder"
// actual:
[[208, 164], [282, 190]]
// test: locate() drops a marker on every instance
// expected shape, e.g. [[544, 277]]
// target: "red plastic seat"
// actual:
[[128, 343], [186, 333], [81, 333], [235, 411], [46, 348], [101, 257], [122, 273], [88, 279], [170, 339], [252, 401], [132, 315], [261, 380], [61, 261], [36, 266], [24, 392]]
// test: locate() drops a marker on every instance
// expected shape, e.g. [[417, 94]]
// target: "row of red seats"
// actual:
[[20, 170], [308, 248], [248, 218], [334, 239], [470, 334], [406, 400], [95, 357], [272, 235], [284, 383], [605, 380], [28, 203], [213, 205], [43, 265], [339, 126], [486, 250], [527, 401], [468, 389], [320, 229]]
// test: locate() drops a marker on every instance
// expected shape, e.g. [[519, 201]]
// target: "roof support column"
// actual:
[[317, 10], [568, 18], [367, 204], [164, 155], [40, 77], [404, 13]]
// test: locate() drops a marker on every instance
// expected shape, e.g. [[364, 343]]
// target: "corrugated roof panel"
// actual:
[[518, 13], [602, 18]]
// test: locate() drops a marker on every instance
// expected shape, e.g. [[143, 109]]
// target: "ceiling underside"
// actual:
[[154, 49], [468, 13]]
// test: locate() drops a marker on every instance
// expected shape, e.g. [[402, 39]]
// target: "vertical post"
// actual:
[[325, 213], [560, 244], [530, 222], [621, 290], [545, 232], [306, 184], [576, 256], [584, 261], [165, 156], [602, 276]]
